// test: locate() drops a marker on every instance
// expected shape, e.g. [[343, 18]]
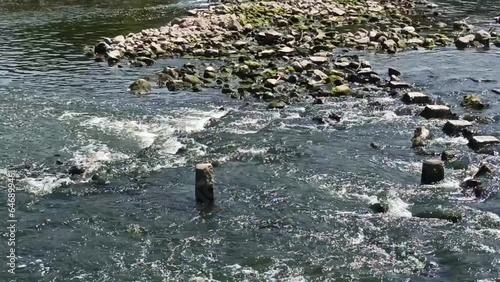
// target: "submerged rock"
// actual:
[[276, 105], [439, 214], [473, 101], [140, 86], [436, 111], [420, 136]]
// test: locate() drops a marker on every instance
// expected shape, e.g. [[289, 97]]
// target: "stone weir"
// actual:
[[299, 51]]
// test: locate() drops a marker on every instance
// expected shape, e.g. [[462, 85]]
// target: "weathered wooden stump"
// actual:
[[432, 171], [204, 186]]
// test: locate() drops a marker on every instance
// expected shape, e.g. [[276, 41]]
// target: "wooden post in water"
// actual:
[[204, 186], [432, 171]]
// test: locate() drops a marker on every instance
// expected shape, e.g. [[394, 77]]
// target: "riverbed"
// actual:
[[292, 197]]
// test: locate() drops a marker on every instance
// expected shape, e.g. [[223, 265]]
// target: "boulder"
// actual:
[[140, 86], [483, 37], [393, 71], [455, 127], [436, 111], [118, 39], [478, 142], [191, 79], [101, 48], [276, 105], [484, 169], [464, 41], [415, 98], [473, 101], [420, 135], [341, 90]]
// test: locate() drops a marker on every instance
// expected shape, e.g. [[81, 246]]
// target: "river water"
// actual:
[[293, 197]]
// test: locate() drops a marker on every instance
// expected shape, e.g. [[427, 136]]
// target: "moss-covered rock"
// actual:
[[473, 101], [341, 90]]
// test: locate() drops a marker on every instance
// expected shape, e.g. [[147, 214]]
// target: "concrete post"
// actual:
[[204, 186], [432, 171]]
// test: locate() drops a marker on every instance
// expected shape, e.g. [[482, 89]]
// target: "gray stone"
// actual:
[[140, 86], [420, 135], [398, 84], [436, 111], [416, 98], [455, 127], [477, 142], [318, 59]]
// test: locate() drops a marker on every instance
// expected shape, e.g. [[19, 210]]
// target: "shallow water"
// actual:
[[292, 196]]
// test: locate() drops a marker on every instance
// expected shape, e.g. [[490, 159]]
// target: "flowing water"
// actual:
[[293, 197]]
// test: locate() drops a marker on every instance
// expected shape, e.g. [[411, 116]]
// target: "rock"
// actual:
[[320, 75], [318, 60], [269, 37], [271, 83], [120, 39], [318, 101], [319, 120], [483, 170], [140, 86], [398, 85], [403, 111], [375, 146], [286, 51], [496, 91], [393, 71], [267, 53], [148, 61], [98, 179], [334, 116], [389, 45], [138, 64], [379, 208], [436, 111], [416, 98], [234, 24], [449, 155], [473, 101], [483, 37], [240, 44], [420, 135], [341, 90], [432, 171], [192, 79], [464, 41], [276, 105], [76, 170], [252, 64], [136, 229], [337, 12], [445, 215], [101, 48], [477, 142], [455, 127]]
